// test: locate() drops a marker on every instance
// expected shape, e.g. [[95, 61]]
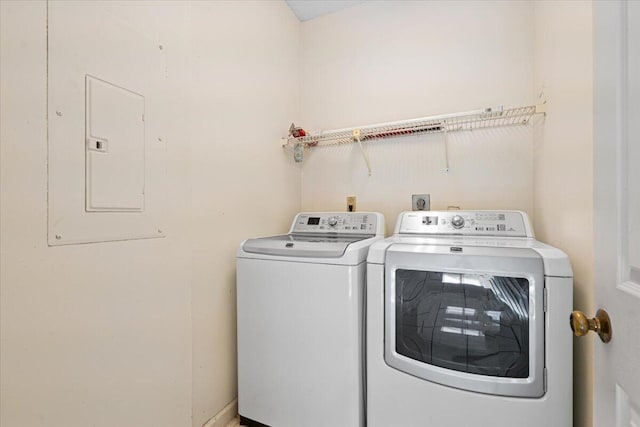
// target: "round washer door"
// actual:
[[467, 317]]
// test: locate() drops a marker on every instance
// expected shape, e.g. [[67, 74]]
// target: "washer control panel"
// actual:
[[471, 223], [335, 222]]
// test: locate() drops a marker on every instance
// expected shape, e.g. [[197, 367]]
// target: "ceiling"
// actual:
[[310, 9]]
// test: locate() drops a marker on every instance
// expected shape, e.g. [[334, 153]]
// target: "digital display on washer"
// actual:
[[314, 220]]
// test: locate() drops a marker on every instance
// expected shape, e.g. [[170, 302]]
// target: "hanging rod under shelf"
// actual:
[[469, 120]]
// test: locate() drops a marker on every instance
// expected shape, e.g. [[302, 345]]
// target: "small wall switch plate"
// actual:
[[420, 202], [351, 203]]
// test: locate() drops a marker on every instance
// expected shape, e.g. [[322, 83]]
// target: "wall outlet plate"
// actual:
[[351, 203], [420, 202]]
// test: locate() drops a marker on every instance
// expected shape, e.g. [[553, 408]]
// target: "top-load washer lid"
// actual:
[[302, 245], [320, 235]]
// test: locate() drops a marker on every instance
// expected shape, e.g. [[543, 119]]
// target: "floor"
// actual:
[[235, 422]]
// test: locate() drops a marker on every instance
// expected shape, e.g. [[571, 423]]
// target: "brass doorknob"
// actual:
[[601, 324]]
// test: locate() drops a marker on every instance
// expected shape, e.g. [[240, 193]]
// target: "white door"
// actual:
[[617, 210]]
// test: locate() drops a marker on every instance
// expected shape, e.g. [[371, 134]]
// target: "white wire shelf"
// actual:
[[469, 120]]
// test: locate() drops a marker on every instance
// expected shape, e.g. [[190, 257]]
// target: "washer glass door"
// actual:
[[470, 319]]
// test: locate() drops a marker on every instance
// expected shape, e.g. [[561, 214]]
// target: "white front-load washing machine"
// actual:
[[300, 302], [467, 324]]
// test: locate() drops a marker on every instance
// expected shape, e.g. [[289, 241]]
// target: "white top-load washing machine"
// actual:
[[467, 324], [300, 322]]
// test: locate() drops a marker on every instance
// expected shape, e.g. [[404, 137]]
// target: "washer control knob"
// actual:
[[457, 221], [332, 221]]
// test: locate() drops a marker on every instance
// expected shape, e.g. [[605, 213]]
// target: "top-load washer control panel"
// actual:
[[336, 222], [468, 223]]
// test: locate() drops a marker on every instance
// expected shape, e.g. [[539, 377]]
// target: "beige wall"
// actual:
[[563, 159], [245, 94], [377, 62], [96, 334], [142, 333]]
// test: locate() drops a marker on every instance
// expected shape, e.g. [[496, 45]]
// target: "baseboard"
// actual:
[[222, 418]]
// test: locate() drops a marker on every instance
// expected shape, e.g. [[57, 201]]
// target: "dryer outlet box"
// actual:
[[420, 202]]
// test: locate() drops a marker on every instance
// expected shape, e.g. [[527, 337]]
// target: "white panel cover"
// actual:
[[102, 157], [115, 147]]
